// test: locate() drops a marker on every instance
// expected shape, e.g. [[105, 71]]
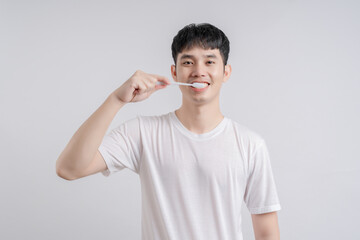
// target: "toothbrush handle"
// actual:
[[174, 83], [185, 84]]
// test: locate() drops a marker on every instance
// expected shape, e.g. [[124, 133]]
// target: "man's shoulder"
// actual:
[[246, 133], [154, 118], [143, 123], [147, 122]]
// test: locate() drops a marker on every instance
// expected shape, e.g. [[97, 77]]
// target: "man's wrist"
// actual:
[[114, 99]]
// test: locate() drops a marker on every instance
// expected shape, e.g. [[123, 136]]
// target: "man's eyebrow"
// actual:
[[192, 56], [186, 56], [210, 56]]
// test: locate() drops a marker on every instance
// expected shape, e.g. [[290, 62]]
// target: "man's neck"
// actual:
[[199, 118]]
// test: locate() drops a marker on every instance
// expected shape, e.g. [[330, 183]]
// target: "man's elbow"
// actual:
[[65, 174]]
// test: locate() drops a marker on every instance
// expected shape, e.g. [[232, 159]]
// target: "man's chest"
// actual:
[[180, 161]]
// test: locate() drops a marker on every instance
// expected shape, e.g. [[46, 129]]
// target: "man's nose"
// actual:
[[198, 70]]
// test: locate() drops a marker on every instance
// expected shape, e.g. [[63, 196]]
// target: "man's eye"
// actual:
[[210, 62], [187, 63]]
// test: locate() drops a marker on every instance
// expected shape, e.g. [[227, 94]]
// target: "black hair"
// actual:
[[203, 35]]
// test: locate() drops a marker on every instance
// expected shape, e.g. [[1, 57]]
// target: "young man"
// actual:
[[196, 166]]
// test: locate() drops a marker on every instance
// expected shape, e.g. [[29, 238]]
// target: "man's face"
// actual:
[[200, 65]]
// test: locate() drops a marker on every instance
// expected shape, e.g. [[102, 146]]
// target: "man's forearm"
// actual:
[[82, 147]]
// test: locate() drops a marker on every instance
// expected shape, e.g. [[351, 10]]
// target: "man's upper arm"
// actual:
[[266, 226]]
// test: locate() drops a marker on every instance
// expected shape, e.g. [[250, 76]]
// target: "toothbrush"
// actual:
[[195, 85]]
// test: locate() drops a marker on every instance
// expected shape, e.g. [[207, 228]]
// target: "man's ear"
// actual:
[[227, 72], [173, 72]]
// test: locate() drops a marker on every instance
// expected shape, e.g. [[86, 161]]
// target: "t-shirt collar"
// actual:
[[203, 136]]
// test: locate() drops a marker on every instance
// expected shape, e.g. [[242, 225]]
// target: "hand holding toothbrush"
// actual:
[[140, 86]]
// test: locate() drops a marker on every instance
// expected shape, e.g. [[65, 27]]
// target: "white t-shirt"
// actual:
[[193, 185]]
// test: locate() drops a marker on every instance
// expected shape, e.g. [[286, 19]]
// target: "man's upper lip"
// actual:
[[199, 81]]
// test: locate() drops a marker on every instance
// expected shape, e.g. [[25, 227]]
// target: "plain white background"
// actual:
[[295, 81]]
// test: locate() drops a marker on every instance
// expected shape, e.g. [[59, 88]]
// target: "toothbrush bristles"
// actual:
[[200, 85]]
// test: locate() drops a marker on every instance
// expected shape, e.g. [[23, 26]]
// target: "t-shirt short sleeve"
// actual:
[[260, 194], [120, 148]]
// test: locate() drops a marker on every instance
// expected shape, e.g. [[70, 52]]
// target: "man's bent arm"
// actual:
[[80, 157], [266, 226], [82, 147]]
